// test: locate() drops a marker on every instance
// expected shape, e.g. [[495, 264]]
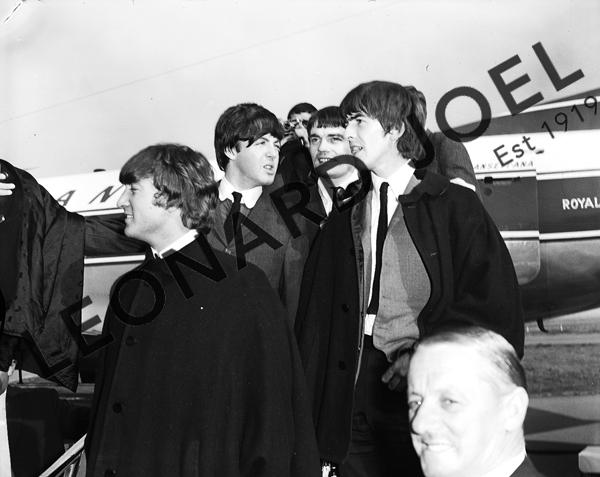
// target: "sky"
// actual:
[[85, 85]]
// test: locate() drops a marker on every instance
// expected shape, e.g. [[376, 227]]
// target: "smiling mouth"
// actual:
[[323, 160], [435, 446], [269, 167]]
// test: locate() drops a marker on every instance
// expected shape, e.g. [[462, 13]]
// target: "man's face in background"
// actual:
[[326, 143]]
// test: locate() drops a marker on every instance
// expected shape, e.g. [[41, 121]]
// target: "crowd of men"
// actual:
[[339, 303]]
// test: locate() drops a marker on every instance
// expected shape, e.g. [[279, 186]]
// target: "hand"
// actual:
[[395, 376], [5, 187], [302, 134], [287, 137]]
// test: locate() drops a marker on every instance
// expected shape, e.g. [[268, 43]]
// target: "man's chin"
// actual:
[[130, 232], [267, 181], [437, 466]]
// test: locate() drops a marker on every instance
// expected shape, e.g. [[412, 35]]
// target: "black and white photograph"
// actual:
[[299, 238]]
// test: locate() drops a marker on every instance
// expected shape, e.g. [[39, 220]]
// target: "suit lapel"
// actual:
[[219, 225], [526, 469], [361, 233], [262, 210]]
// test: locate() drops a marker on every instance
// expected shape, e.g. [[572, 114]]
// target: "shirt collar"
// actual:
[[324, 194], [397, 181], [325, 189], [508, 466], [178, 244], [249, 196]]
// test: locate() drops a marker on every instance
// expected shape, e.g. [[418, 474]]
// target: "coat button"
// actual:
[[130, 341], [117, 407], [345, 308], [110, 473]]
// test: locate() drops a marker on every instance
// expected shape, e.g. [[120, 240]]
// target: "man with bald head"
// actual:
[[467, 400]]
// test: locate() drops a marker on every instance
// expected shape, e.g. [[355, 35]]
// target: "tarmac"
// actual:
[[557, 429]]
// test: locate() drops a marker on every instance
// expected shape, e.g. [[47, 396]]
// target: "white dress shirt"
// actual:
[[249, 196], [397, 186], [178, 244]]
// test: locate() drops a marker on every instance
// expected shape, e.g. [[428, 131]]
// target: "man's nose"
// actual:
[[350, 131], [273, 151], [422, 419], [123, 199]]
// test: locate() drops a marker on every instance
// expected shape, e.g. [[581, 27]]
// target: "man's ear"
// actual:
[[397, 133], [515, 408], [231, 153]]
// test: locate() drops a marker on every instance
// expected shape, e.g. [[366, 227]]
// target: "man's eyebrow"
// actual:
[[354, 115], [335, 135]]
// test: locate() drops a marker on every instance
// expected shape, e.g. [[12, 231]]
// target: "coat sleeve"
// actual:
[[486, 291], [105, 236]]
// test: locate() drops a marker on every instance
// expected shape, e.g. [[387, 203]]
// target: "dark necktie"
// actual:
[[382, 226], [231, 223], [351, 189]]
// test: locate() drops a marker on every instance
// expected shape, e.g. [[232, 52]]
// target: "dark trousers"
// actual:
[[381, 444]]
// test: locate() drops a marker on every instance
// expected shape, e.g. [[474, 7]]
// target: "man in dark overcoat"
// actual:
[[201, 376], [416, 253]]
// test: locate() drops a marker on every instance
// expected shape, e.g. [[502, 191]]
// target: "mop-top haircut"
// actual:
[[391, 104], [184, 179], [243, 122]]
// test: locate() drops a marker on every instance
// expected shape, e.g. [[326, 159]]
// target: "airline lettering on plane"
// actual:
[[65, 198], [87, 193], [577, 203], [107, 193], [512, 165]]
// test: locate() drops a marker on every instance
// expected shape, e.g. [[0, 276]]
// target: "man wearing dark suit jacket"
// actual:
[[467, 400], [416, 253], [201, 374], [247, 223]]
